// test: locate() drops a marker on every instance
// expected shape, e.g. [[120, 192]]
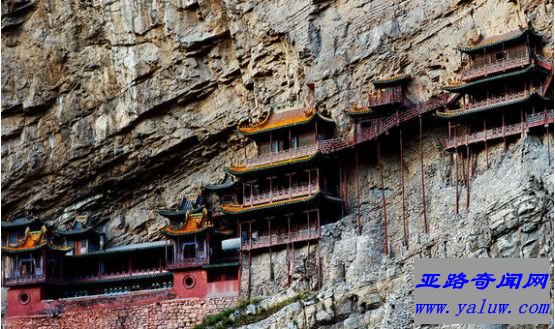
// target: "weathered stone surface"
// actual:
[[118, 107]]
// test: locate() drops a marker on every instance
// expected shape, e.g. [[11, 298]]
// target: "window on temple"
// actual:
[[189, 250], [306, 139], [500, 55], [295, 142], [264, 148], [277, 146], [479, 60], [84, 246], [201, 251]]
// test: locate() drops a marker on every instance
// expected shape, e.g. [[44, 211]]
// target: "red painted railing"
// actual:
[[337, 144], [495, 67], [116, 275], [279, 239], [281, 194], [281, 156], [187, 262], [24, 279], [533, 120], [384, 97], [507, 97]]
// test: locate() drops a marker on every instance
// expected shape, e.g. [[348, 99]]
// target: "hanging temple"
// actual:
[[281, 197]]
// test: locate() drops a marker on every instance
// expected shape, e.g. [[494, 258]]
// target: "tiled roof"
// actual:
[[282, 119], [33, 240], [239, 209], [355, 111], [497, 40], [389, 81], [466, 86]]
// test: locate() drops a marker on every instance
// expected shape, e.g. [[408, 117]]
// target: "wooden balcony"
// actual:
[[265, 241], [281, 156], [495, 100], [118, 275], [23, 279], [534, 120], [187, 263], [502, 65], [387, 97], [281, 194]]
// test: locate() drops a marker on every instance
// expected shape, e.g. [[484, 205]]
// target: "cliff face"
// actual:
[[118, 107]]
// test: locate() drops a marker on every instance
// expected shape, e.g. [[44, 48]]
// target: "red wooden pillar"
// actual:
[[289, 252], [422, 175], [250, 235], [468, 177], [270, 250], [341, 188], [379, 163], [357, 191], [456, 174], [486, 143], [401, 166], [546, 124]]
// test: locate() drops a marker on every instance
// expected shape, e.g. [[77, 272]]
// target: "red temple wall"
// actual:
[[34, 305], [138, 310]]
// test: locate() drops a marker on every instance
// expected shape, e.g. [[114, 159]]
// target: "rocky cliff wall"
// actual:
[[510, 215], [118, 107]]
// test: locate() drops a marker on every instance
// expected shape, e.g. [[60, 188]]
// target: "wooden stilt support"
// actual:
[[456, 155], [270, 250], [548, 135], [250, 276], [401, 166], [341, 191], [422, 176], [319, 266], [292, 262], [503, 124], [288, 257], [548, 144], [380, 167], [357, 178], [346, 188], [486, 144], [468, 178], [307, 264], [463, 169]]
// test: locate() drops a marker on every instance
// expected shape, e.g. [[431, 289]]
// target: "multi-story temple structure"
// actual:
[[41, 264], [505, 88], [288, 189], [200, 265], [283, 194], [389, 95]]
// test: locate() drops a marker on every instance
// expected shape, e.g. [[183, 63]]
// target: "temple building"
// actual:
[[32, 263], [74, 262], [93, 269], [288, 189], [505, 90], [388, 97], [200, 263]]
